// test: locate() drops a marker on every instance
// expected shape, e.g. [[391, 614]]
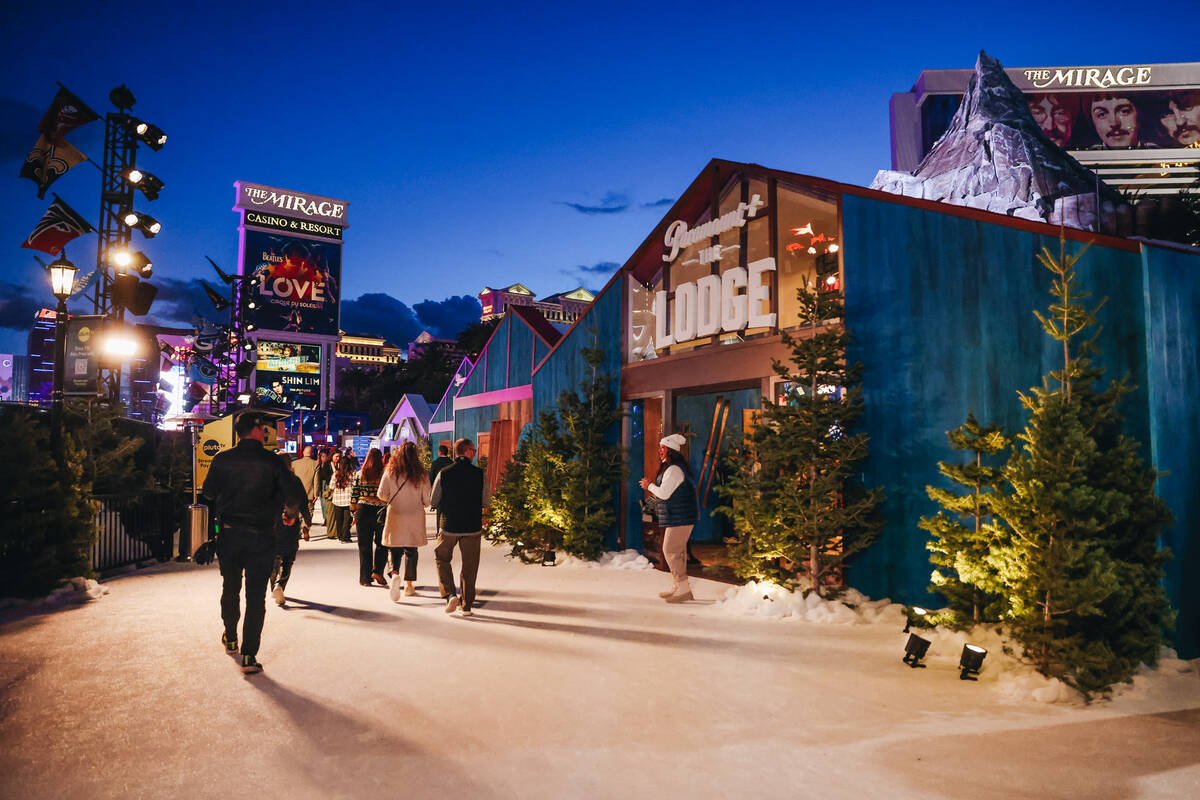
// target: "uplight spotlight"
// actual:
[[971, 661], [914, 650]]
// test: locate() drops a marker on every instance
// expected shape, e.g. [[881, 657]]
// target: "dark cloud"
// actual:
[[378, 314], [179, 301], [18, 306], [611, 203], [666, 201], [18, 129], [445, 318], [600, 268]]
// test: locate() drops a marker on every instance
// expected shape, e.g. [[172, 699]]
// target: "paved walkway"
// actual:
[[567, 683]]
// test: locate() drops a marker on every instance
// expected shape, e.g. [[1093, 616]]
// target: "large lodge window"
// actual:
[[809, 243], [695, 281]]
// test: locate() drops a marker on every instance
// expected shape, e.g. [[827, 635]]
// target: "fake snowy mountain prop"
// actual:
[[995, 157]]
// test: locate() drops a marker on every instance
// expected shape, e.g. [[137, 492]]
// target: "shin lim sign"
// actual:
[[292, 243]]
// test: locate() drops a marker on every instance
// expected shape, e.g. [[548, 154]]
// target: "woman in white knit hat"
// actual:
[[675, 493]]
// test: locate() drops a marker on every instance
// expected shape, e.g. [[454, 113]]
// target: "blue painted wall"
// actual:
[[564, 369], [471, 422], [1172, 299], [940, 308]]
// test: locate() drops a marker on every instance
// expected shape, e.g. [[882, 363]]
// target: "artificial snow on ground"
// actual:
[[566, 683]]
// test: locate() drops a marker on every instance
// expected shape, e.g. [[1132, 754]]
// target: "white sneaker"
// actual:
[[452, 604], [466, 612], [409, 590], [277, 593], [394, 589]]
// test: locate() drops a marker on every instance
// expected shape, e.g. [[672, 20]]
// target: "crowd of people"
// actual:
[[263, 504]]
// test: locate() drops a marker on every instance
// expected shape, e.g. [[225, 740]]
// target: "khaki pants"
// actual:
[[674, 547], [468, 543]]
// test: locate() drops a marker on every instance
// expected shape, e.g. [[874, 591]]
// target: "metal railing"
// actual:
[[131, 528]]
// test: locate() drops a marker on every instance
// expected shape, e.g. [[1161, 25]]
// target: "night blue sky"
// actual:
[[488, 144]]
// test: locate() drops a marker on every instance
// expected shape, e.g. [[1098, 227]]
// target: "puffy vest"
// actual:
[[680, 507], [461, 503]]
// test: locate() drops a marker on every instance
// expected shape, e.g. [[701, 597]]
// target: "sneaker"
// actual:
[[680, 598], [452, 604], [250, 665], [466, 612], [231, 645], [277, 593], [375, 576], [409, 590], [394, 590]]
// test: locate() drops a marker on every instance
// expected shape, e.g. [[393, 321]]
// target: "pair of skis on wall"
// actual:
[[712, 450]]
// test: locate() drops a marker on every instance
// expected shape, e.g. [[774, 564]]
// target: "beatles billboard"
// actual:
[[288, 375], [292, 243]]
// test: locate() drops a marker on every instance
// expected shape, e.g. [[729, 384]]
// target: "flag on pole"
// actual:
[[66, 113], [59, 225], [219, 302], [48, 161]]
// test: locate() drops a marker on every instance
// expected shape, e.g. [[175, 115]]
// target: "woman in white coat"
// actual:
[[405, 489]]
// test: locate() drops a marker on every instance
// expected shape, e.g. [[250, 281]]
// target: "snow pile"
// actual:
[[72, 592], [624, 559], [767, 599]]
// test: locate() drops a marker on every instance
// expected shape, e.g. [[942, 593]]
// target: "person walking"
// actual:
[[460, 494], [406, 491], [440, 463], [287, 537], [339, 501], [674, 490], [305, 468], [368, 516], [324, 478], [248, 490]]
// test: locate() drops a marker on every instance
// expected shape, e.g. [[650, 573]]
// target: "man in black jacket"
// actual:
[[440, 463], [460, 494], [248, 490]]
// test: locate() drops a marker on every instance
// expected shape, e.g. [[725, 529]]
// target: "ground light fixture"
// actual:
[[908, 618], [914, 650], [146, 183], [971, 661], [145, 223], [548, 558]]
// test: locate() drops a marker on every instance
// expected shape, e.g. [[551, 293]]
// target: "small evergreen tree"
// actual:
[[1081, 565], [965, 532], [47, 532], [528, 511], [793, 501], [596, 465]]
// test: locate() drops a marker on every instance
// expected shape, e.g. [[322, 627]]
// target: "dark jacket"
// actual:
[[681, 507], [248, 488], [459, 497], [439, 464]]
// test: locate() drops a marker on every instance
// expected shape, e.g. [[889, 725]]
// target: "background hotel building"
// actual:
[[562, 307], [370, 352]]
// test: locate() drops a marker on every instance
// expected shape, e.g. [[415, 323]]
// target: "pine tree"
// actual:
[[47, 532], [1081, 565], [596, 466], [793, 500], [964, 533]]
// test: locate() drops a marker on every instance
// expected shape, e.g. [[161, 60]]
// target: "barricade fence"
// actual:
[[135, 527]]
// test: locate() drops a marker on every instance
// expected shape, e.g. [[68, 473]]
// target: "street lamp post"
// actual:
[[62, 279]]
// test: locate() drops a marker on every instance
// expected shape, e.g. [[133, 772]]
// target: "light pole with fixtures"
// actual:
[[62, 279]]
